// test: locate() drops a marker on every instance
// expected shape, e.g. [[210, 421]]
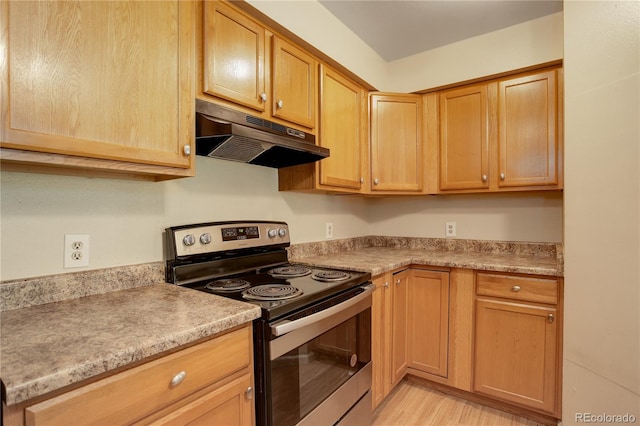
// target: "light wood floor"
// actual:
[[411, 403]]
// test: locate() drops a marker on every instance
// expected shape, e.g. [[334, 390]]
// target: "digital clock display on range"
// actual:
[[240, 233]]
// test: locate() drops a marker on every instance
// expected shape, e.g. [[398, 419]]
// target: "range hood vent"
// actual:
[[231, 135]]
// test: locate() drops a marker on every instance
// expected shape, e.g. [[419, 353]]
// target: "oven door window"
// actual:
[[305, 376]]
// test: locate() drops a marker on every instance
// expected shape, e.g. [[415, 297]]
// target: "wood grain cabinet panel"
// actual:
[[428, 330], [381, 339], [399, 324], [102, 81], [527, 111], [294, 83], [500, 135], [464, 138], [234, 56], [516, 353], [518, 340], [396, 143]]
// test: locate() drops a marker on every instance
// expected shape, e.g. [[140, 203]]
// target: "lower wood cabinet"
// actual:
[[428, 330], [399, 326], [497, 336], [517, 340], [210, 382], [381, 339]]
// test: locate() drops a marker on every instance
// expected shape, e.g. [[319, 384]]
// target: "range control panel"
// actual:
[[222, 236]]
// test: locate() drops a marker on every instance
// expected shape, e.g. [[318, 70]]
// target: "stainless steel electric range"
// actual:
[[312, 344]]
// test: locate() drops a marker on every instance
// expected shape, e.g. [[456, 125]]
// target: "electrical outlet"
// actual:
[[329, 230], [450, 229], [76, 250]]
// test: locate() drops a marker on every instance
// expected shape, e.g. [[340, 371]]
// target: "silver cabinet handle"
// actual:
[[376, 181], [502, 176], [484, 178], [186, 149], [516, 288], [263, 96], [386, 284], [280, 104], [178, 378], [361, 180], [249, 393], [550, 318], [398, 281]]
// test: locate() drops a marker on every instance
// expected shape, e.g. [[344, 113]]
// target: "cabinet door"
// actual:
[[516, 353], [528, 130], [399, 321], [464, 138], [342, 113], [396, 143], [234, 57], [231, 404], [106, 80], [429, 321], [380, 339], [294, 84]]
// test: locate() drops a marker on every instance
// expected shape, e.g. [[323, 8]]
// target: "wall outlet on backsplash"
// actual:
[[76, 250], [329, 230], [450, 229]]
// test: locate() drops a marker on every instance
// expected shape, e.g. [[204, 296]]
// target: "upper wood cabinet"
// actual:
[[234, 56], [248, 65], [464, 138], [98, 87], [343, 112], [501, 135], [396, 143], [528, 130]]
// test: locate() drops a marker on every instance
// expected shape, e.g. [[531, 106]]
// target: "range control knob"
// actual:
[[189, 240], [271, 233], [205, 238], [282, 232]]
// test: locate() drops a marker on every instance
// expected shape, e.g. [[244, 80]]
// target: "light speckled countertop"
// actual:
[[49, 346], [378, 260]]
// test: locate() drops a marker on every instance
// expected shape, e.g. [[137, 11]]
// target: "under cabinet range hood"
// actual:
[[232, 135]]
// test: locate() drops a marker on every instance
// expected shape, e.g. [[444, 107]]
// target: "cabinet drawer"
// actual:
[[132, 394], [542, 290]]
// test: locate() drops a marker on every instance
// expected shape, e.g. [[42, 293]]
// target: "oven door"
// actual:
[[320, 364]]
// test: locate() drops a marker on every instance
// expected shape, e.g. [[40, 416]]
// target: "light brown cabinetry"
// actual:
[[182, 387], [428, 328], [98, 88], [517, 340], [247, 64], [396, 143], [381, 338], [501, 135], [343, 112], [399, 326]]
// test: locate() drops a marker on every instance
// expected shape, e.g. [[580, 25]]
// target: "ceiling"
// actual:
[[399, 28]]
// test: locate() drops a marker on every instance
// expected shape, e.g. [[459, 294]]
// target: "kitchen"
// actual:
[[125, 218]]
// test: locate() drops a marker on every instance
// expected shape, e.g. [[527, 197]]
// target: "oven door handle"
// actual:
[[287, 326]]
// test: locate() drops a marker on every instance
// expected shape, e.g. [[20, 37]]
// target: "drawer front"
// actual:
[[541, 290], [132, 394]]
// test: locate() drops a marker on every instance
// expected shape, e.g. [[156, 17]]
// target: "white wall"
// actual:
[[509, 217], [602, 208]]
